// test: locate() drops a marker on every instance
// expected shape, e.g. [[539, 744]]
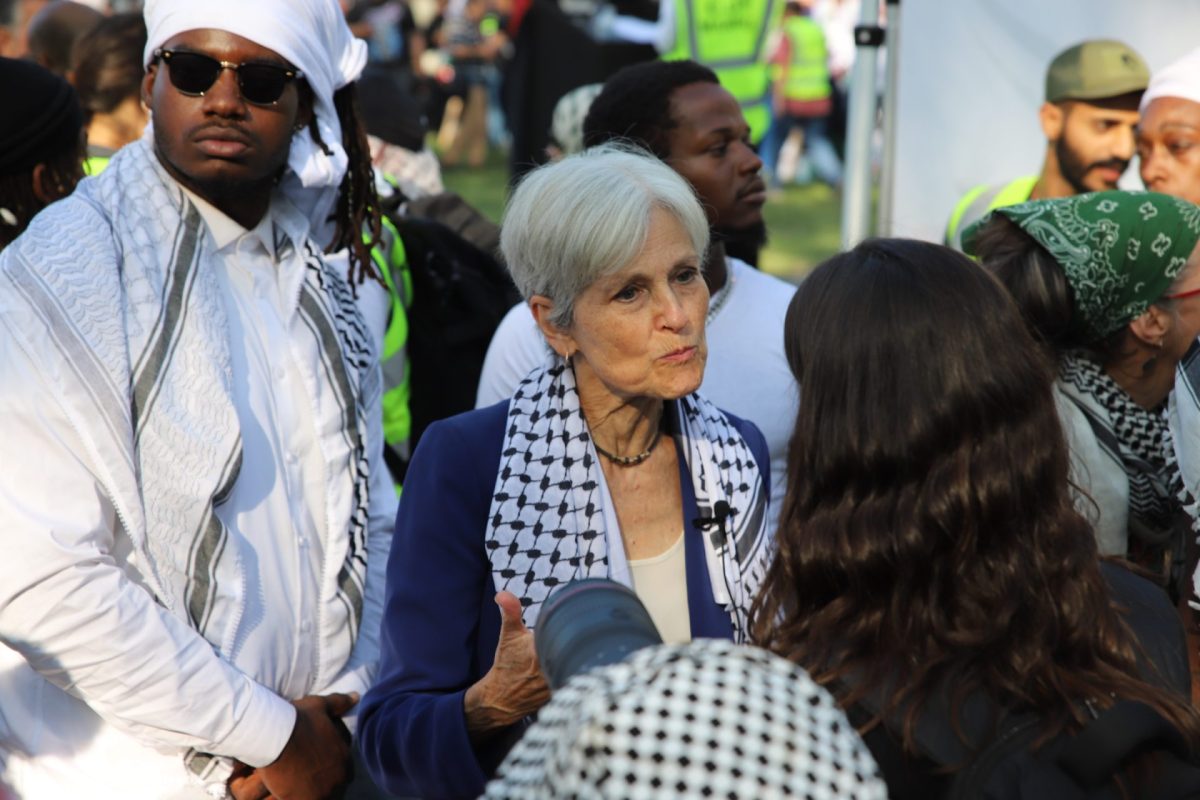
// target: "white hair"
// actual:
[[577, 220]]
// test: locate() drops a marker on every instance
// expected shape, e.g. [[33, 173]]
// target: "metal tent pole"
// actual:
[[891, 96], [856, 190]]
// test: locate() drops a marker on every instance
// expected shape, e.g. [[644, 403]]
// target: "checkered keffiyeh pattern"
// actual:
[[706, 719], [546, 524]]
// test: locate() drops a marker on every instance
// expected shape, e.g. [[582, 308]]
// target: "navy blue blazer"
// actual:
[[441, 625]]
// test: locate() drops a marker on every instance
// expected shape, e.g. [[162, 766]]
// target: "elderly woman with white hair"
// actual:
[[604, 463]]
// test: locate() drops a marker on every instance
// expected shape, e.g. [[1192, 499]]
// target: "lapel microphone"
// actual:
[[720, 514]]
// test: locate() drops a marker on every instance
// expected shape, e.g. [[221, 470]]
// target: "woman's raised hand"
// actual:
[[514, 687]]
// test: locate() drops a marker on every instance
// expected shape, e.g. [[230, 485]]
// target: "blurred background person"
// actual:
[[932, 570], [838, 19], [396, 131], [728, 38], [1168, 135], [14, 22], [621, 731], [604, 463], [566, 124], [802, 98], [108, 74], [55, 29], [474, 47], [393, 41], [41, 143], [1090, 110], [1109, 286]]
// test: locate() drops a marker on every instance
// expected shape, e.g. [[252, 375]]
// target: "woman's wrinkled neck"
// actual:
[[624, 426]]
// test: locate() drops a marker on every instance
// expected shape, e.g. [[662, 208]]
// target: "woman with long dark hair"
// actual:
[[930, 554]]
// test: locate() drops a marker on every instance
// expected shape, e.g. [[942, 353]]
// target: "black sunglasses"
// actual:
[[194, 74]]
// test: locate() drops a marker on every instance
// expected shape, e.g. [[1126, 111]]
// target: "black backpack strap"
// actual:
[[1122, 732], [935, 735]]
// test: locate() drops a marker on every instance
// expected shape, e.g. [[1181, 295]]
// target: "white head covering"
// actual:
[[312, 35], [1180, 79]]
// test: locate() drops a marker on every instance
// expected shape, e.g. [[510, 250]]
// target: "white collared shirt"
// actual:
[[275, 511]]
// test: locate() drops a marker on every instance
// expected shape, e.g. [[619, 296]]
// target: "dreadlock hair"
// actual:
[[635, 104], [357, 216], [17, 195]]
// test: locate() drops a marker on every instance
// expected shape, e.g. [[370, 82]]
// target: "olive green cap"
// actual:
[[1096, 69]]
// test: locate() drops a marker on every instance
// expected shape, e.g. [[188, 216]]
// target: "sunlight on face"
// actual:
[[640, 331], [1168, 144]]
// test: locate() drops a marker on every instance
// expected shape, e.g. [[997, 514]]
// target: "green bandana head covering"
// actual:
[[1120, 251]]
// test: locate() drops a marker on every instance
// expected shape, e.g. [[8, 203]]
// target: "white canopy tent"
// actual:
[[968, 82]]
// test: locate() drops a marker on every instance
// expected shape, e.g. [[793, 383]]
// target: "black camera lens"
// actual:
[[588, 624]]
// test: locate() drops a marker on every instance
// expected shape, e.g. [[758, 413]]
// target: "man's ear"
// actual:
[[1152, 326], [43, 188], [559, 339], [148, 84], [1052, 117]]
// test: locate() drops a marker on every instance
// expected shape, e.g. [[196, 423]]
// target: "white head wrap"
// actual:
[[313, 36], [1180, 79]]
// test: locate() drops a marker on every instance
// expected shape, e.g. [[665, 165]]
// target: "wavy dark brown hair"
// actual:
[[928, 538]]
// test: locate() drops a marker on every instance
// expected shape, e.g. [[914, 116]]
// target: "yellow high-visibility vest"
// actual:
[[808, 67], [730, 37], [975, 204], [94, 165]]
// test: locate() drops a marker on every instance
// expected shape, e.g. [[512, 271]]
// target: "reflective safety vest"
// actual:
[[730, 38], [975, 205], [808, 68], [392, 263], [94, 165]]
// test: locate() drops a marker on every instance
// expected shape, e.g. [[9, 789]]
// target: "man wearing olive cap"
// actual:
[[1088, 119], [195, 536]]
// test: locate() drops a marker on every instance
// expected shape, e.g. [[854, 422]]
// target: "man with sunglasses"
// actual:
[[194, 549]]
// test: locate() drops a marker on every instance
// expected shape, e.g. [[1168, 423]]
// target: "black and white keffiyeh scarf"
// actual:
[[1138, 439], [705, 719], [547, 525]]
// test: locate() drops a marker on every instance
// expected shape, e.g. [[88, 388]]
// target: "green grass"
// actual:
[[804, 228], [803, 221]]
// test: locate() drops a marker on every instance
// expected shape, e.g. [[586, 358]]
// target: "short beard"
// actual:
[[743, 244], [216, 191], [1074, 170]]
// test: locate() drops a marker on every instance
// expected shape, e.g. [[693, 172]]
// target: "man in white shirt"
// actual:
[[679, 111], [195, 515]]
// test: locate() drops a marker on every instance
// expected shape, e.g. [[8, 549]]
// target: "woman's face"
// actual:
[[640, 331], [1168, 145]]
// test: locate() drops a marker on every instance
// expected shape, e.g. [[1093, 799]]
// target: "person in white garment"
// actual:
[[195, 516], [679, 111]]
